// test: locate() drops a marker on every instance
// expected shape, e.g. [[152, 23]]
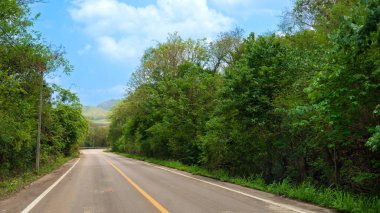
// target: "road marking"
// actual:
[[232, 190], [39, 198], [146, 195]]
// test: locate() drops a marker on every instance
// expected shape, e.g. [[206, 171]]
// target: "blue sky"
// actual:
[[104, 39]]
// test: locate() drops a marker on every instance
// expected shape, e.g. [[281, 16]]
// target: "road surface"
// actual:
[[105, 182]]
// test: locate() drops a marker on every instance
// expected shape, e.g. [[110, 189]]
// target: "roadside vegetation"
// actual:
[[16, 183], [96, 136], [298, 110], [98, 118], [26, 61]]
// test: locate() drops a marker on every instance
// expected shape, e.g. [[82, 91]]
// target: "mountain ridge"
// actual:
[[100, 114], [107, 105]]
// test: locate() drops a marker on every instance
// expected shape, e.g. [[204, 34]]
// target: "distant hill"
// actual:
[[107, 105], [99, 114], [95, 113]]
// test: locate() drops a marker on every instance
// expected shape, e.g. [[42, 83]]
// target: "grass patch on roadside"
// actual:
[[14, 184], [327, 197]]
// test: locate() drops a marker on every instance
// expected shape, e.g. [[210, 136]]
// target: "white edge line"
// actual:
[[232, 190], [39, 198]]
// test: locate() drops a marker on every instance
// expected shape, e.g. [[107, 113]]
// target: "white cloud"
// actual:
[[122, 31], [85, 49], [126, 47]]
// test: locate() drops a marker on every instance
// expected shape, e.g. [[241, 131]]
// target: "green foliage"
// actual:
[[97, 136], [295, 109], [245, 107], [72, 127], [374, 140], [14, 184], [24, 61]]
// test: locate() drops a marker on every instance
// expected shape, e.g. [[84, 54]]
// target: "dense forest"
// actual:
[[96, 136], [301, 105], [26, 61]]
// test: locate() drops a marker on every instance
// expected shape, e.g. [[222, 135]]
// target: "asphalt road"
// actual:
[[105, 182]]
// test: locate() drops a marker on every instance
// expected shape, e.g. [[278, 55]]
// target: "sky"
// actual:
[[105, 39]]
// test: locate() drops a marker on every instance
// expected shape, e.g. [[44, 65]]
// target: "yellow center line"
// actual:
[[146, 195]]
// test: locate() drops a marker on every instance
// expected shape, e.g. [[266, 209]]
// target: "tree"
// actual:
[[24, 62], [224, 49], [299, 106], [163, 61]]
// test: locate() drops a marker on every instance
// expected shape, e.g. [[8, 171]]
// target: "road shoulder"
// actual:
[[21, 199]]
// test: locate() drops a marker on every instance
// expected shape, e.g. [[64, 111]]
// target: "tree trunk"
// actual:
[[38, 147]]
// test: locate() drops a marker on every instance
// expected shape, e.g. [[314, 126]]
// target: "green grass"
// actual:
[[323, 196], [14, 184]]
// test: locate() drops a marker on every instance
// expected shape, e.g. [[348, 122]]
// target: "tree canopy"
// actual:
[[300, 105], [25, 58]]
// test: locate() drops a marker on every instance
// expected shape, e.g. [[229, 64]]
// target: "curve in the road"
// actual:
[[105, 182]]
